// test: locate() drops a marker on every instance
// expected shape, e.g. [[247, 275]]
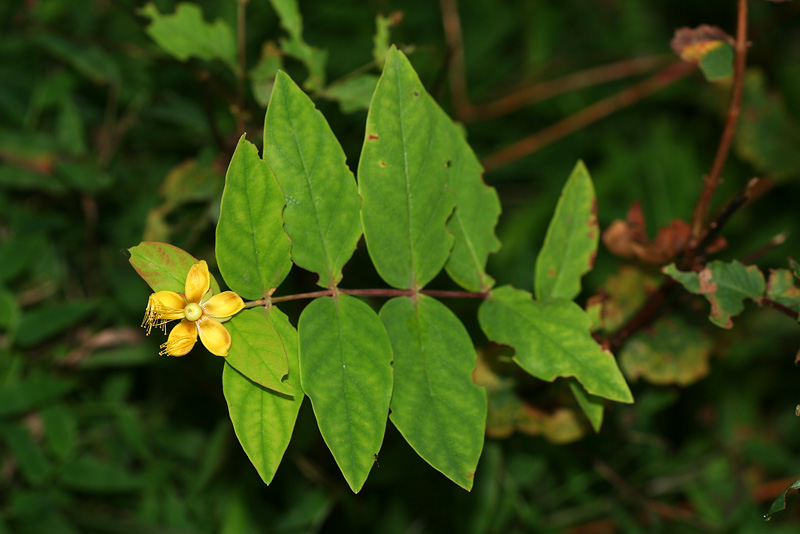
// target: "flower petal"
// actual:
[[162, 307], [171, 304], [197, 282], [225, 304], [214, 336], [181, 339]]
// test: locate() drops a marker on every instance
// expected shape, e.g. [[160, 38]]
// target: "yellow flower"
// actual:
[[199, 312]]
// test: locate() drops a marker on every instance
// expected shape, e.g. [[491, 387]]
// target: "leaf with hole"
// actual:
[[322, 203], [253, 251]]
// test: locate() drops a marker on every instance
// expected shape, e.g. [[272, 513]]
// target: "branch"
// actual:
[[715, 227], [713, 179], [571, 82], [587, 116], [455, 63], [764, 301], [648, 313], [241, 65]]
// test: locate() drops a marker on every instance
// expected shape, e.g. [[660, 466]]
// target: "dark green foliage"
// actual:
[[98, 434]]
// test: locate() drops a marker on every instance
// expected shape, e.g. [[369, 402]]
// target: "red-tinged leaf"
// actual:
[[163, 266]]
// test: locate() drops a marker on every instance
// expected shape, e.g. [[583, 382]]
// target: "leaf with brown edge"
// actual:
[[781, 288], [709, 47], [163, 266], [725, 286], [691, 43], [672, 351]]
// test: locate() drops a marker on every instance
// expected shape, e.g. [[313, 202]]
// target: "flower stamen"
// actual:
[[177, 346], [153, 317]]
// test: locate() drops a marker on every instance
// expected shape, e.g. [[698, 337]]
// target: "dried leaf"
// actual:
[[629, 239], [691, 44]]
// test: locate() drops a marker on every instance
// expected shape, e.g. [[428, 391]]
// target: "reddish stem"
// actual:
[[374, 293], [713, 179]]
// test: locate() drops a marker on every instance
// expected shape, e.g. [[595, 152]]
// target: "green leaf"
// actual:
[[717, 64], [345, 369], [353, 94], [264, 419], [39, 325], [552, 339], [475, 217], [257, 350], [61, 430], [313, 58], [94, 475], [93, 62], [185, 34], [28, 456], [591, 405], [435, 404], [688, 280], [253, 251], [17, 397], [780, 502], [571, 241], [163, 266], [9, 310], [381, 39], [322, 202], [768, 133], [262, 76], [725, 286], [403, 179]]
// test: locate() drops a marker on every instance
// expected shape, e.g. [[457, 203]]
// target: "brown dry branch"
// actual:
[[587, 116], [572, 82]]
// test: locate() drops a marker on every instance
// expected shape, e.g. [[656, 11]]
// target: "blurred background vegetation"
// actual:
[[107, 140]]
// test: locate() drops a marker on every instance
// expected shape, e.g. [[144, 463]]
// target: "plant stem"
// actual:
[[587, 116], [713, 178], [764, 301], [648, 313], [369, 293]]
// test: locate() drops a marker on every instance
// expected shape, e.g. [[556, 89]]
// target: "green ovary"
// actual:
[[192, 311]]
